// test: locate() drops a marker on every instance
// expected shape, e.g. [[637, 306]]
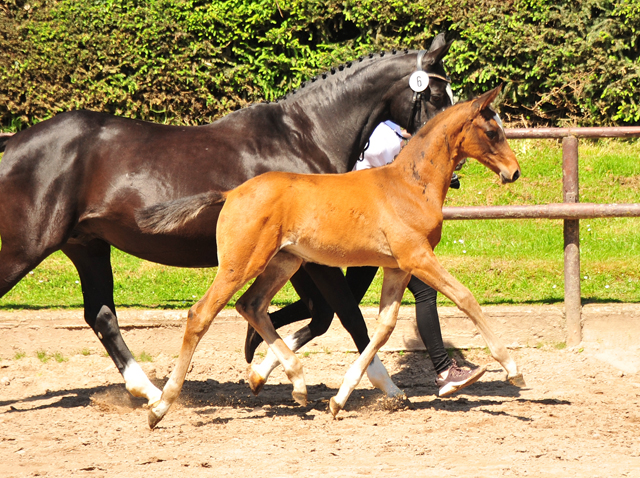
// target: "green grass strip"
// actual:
[[500, 261]]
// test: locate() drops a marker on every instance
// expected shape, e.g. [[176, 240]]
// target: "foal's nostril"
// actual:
[[516, 175]]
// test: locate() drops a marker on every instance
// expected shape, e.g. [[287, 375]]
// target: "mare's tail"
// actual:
[[4, 137], [168, 216]]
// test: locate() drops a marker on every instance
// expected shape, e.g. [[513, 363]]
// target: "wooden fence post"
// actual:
[[572, 293]]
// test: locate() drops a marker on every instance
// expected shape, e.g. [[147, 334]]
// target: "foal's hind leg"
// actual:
[[315, 307], [336, 293], [432, 273], [94, 267], [253, 307], [201, 314]]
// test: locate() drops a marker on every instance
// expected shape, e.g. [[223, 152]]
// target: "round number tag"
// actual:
[[419, 81]]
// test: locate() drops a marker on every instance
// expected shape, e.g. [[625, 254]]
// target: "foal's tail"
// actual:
[[4, 137], [169, 216]]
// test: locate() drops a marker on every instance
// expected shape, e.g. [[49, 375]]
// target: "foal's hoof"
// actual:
[[154, 416], [334, 408], [300, 398], [517, 380], [256, 381]]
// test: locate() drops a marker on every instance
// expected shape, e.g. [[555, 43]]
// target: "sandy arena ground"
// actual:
[[579, 416]]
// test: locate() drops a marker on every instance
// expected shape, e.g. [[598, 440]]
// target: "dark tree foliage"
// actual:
[[191, 61]]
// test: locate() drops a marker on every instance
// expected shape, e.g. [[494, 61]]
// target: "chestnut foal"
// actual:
[[272, 223]]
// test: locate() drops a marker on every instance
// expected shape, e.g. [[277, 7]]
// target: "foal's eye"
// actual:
[[492, 134]]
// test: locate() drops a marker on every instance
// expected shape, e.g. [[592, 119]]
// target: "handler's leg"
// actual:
[[450, 377], [429, 270]]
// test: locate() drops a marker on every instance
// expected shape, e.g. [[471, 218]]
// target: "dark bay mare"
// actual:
[[73, 182]]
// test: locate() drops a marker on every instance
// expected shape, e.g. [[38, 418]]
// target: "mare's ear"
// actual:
[[484, 101], [436, 55], [437, 42]]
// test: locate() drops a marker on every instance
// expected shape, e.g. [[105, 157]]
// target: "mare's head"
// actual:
[[412, 110], [483, 136]]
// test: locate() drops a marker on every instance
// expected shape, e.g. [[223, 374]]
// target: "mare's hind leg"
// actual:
[[393, 286], [15, 263], [429, 270], [253, 307], [93, 263]]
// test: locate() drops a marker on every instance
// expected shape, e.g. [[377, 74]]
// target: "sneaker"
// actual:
[[457, 379]]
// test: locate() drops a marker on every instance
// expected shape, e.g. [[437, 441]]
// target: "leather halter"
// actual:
[[415, 116]]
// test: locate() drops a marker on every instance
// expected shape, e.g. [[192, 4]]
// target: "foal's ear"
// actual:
[[484, 101]]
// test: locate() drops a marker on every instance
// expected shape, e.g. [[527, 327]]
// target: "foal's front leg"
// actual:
[[431, 272], [394, 283]]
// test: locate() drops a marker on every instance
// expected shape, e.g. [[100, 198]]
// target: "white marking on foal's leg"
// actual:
[[379, 378], [271, 362], [138, 384]]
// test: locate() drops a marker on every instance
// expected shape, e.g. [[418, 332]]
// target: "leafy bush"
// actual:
[[191, 61]]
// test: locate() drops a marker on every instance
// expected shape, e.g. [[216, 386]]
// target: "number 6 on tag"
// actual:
[[419, 81]]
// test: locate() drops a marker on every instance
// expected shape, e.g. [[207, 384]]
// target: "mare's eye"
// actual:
[[492, 134], [436, 99]]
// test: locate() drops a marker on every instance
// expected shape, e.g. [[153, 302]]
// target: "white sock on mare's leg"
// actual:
[[138, 384], [379, 378]]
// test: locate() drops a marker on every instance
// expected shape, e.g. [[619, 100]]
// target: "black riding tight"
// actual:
[[359, 280]]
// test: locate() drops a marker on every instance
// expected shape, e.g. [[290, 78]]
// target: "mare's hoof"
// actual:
[[334, 408], [300, 398], [256, 382], [517, 380]]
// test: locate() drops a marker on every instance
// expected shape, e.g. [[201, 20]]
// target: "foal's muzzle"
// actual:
[[506, 179]]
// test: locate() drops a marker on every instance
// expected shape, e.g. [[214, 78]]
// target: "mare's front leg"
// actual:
[[93, 262], [253, 306], [393, 286], [429, 270]]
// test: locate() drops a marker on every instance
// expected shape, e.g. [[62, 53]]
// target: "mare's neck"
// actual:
[[342, 109]]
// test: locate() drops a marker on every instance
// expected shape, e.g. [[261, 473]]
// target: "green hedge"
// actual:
[[189, 61]]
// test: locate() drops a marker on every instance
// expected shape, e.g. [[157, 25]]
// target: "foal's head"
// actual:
[[483, 137]]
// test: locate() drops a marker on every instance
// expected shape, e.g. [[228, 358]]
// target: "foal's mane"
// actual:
[[446, 114]]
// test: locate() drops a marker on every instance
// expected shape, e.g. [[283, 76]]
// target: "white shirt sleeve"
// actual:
[[384, 146]]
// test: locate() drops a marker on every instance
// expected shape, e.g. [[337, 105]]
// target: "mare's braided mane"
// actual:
[[332, 71]]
